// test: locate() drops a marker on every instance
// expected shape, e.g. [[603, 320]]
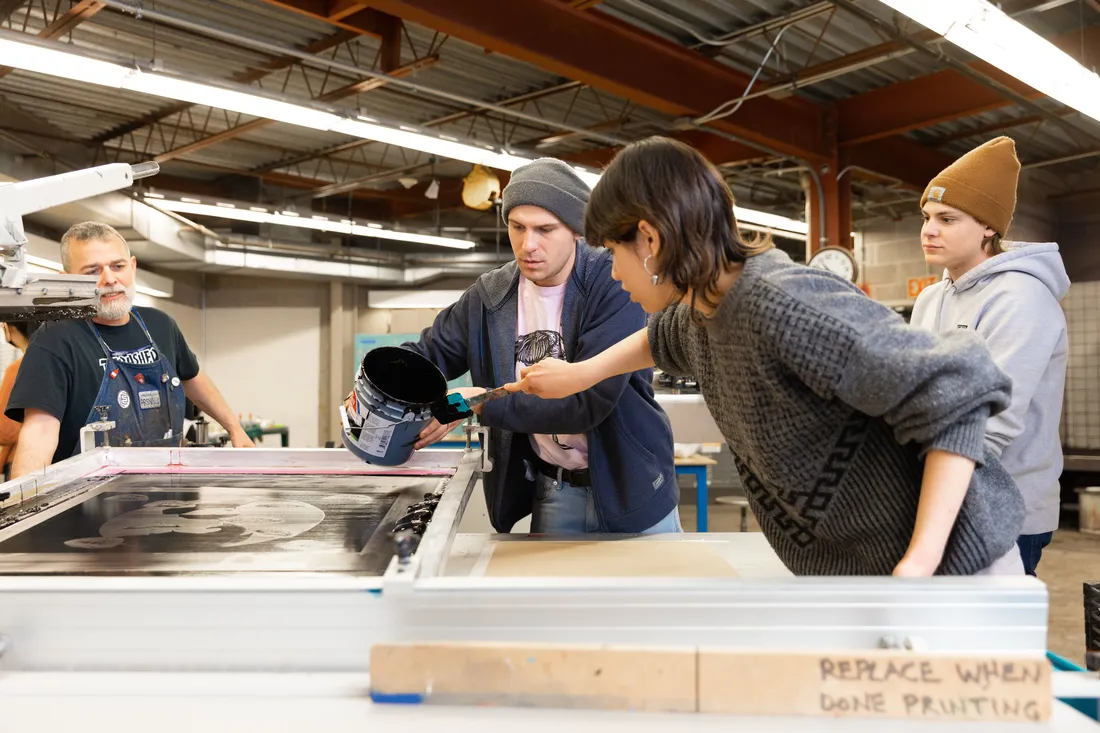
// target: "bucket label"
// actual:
[[376, 434]]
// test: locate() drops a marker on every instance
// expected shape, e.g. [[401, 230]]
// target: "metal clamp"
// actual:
[[87, 433], [472, 429]]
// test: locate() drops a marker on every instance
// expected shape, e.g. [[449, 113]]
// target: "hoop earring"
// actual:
[[645, 266]]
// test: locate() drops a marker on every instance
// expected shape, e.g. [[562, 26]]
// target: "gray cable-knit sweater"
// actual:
[[828, 401]]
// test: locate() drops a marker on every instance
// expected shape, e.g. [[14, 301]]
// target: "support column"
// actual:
[[337, 350], [838, 208], [835, 194]]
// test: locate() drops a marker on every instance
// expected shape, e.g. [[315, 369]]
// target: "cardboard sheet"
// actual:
[[608, 558]]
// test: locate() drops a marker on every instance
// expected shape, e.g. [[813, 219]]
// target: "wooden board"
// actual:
[[876, 684], [842, 684], [608, 558], [598, 678]]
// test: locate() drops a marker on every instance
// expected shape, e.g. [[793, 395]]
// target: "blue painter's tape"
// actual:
[[404, 698]]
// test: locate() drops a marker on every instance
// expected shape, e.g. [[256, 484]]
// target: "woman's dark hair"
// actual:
[[684, 197], [27, 328]]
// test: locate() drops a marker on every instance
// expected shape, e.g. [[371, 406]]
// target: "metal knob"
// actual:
[[144, 170], [405, 543]]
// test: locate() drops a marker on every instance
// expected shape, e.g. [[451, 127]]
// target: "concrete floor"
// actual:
[[1070, 560]]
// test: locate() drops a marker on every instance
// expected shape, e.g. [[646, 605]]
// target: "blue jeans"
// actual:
[[1031, 549], [562, 508]]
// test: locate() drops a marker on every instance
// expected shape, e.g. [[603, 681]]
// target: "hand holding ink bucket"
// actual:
[[390, 404]]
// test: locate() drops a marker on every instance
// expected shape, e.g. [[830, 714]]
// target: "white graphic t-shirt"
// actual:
[[538, 337]]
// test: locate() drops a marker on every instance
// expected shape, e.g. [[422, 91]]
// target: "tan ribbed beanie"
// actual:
[[982, 183]]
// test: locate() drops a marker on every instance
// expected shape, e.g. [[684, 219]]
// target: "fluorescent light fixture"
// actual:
[[52, 62], [43, 262], [979, 28], [770, 221], [430, 144], [325, 225], [171, 87], [152, 292], [412, 298], [299, 265]]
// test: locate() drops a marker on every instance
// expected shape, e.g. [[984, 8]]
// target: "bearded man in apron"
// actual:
[[127, 365]]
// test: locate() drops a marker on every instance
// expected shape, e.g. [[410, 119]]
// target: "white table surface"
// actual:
[[748, 553]]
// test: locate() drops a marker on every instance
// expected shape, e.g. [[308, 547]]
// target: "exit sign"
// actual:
[[917, 284]]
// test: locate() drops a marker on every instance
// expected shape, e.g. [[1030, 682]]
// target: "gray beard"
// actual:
[[117, 309]]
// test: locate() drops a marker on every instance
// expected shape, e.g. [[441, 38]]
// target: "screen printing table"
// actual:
[[223, 589]]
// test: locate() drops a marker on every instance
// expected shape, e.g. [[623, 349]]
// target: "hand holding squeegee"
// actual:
[[454, 407]]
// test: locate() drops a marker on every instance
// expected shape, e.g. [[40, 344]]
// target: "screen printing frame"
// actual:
[[328, 622]]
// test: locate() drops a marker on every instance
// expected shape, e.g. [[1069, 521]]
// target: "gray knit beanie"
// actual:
[[550, 184]]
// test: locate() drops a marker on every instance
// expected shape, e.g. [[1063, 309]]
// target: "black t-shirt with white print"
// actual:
[[64, 364]]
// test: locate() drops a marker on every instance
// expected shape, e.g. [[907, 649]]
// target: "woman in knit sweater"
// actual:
[[859, 440]]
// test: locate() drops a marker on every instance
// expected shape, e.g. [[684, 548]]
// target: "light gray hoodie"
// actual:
[[1012, 300]]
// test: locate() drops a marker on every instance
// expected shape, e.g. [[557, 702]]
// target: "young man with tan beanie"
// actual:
[[1007, 293], [599, 461]]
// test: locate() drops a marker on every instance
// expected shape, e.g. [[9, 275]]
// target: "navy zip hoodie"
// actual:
[[630, 456]]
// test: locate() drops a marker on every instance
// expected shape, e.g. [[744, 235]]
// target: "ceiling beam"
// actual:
[[940, 97], [862, 59], [995, 127], [929, 100], [358, 87], [614, 57], [76, 15], [340, 9], [64, 23], [912, 164]]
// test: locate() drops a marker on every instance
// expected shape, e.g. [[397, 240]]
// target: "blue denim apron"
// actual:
[[145, 401]]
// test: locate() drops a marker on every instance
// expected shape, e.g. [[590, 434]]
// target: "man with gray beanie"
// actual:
[[580, 464]]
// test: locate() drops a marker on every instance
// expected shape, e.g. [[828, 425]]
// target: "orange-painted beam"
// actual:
[[340, 9], [606, 54], [942, 97], [918, 103]]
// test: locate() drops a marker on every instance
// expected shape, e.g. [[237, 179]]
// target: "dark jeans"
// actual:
[[1031, 549]]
